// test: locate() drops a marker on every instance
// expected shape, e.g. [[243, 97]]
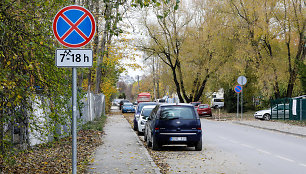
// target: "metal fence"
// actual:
[[289, 108], [93, 106]]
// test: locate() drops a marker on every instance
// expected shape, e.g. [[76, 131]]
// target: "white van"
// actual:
[[217, 103]]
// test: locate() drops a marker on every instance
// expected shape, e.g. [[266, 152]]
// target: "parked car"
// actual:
[[195, 104], [173, 124], [217, 103], [144, 114], [137, 113], [204, 109], [128, 107], [277, 111], [116, 102], [121, 103]]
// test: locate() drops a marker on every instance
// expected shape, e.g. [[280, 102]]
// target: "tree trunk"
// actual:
[[202, 87], [178, 89], [108, 12]]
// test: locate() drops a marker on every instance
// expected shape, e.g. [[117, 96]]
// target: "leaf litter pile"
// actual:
[[56, 157]]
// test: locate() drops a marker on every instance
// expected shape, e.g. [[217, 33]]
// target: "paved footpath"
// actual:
[[121, 151]]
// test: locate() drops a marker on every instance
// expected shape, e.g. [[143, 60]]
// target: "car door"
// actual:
[[150, 123]]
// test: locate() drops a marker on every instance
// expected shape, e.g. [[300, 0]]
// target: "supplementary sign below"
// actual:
[[73, 58]]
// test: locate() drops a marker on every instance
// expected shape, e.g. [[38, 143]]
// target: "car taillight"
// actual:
[[199, 128], [157, 128]]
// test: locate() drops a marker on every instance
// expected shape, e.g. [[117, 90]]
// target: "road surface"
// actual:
[[262, 151]]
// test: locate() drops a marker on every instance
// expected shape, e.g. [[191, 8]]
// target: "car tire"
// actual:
[[198, 145], [135, 127], [138, 133], [145, 136], [267, 117], [149, 144], [155, 144]]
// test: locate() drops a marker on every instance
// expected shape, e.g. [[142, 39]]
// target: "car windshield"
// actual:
[[177, 112], [203, 106], [146, 112], [218, 100], [128, 104]]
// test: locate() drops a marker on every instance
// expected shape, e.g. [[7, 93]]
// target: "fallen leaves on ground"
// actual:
[[56, 157], [157, 156]]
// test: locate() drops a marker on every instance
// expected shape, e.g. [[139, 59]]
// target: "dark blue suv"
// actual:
[[173, 124]]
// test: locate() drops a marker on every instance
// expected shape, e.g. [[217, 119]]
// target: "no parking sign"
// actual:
[[238, 88], [74, 26]]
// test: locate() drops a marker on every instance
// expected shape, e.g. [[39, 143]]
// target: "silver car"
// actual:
[[278, 111]]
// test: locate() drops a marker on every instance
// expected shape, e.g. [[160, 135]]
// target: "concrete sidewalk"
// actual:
[[121, 151]]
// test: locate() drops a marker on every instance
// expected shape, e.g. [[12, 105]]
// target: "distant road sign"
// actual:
[[238, 89], [241, 80], [74, 26], [73, 58]]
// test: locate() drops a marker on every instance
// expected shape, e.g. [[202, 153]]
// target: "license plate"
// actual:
[[204, 112], [178, 138]]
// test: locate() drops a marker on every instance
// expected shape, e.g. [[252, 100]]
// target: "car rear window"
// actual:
[[141, 105], [146, 112], [203, 106], [177, 112]]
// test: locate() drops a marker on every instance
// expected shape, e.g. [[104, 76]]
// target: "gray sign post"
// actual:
[[241, 81], [238, 89], [74, 122]]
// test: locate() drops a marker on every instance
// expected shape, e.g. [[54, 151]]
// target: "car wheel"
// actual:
[[138, 133], [148, 142], [267, 117], [198, 145], [155, 145], [135, 127], [145, 136]]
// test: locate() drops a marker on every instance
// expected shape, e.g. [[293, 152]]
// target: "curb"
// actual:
[[156, 169], [275, 130]]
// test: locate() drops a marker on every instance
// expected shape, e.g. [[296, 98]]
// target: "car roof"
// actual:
[[147, 103], [148, 106], [175, 104]]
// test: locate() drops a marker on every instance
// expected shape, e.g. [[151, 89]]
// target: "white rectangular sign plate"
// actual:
[[73, 58]]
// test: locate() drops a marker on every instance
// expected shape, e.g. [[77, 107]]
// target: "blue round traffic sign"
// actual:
[[74, 26], [238, 89]]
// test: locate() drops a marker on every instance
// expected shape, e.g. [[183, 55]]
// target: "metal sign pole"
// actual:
[[241, 102], [74, 125], [237, 105]]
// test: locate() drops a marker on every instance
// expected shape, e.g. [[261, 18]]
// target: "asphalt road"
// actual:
[[262, 151]]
